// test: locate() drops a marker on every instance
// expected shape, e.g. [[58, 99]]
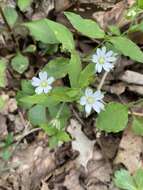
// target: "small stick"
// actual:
[[136, 114]]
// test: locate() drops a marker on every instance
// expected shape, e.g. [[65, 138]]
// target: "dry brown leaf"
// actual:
[[81, 143], [130, 150], [135, 88], [3, 127], [34, 163], [44, 186], [118, 88], [99, 170], [132, 77], [114, 16], [72, 181]]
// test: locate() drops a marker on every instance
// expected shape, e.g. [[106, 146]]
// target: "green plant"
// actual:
[[6, 153], [125, 181], [46, 102]]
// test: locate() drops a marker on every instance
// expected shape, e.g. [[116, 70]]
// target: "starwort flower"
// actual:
[[104, 59], [92, 100], [43, 83]]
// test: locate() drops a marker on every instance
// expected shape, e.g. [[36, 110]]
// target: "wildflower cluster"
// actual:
[[103, 60]]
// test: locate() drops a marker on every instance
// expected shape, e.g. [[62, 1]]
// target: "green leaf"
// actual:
[[59, 94], [63, 35], [49, 129], [2, 103], [9, 139], [74, 69], [41, 31], [140, 3], [63, 136], [137, 125], [86, 76], [114, 118], [53, 142], [124, 180], [127, 48], [30, 49], [49, 49], [27, 87], [10, 15], [87, 27], [136, 27], [65, 112], [37, 115], [3, 80], [24, 105], [6, 154], [24, 4], [20, 63], [114, 30], [58, 67], [63, 116], [138, 178]]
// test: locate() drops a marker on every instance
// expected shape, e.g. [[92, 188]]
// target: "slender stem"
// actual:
[[102, 80], [60, 110]]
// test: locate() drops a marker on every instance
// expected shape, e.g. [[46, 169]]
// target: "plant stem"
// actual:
[[60, 110], [102, 80]]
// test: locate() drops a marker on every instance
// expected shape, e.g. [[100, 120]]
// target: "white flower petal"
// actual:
[[111, 59], [50, 80], [88, 92], [47, 89], [109, 53], [98, 106], [104, 49], [39, 90], [88, 108], [108, 66], [43, 75], [83, 100], [98, 68], [95, 58], [35, 81], [98, 95], [98, 52]]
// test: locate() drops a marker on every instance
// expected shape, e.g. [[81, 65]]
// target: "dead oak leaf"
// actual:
[[81, 143], [130, 150]]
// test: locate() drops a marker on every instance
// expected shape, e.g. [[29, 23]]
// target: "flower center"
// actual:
[[101, 60], [44, 84], [90, 100]]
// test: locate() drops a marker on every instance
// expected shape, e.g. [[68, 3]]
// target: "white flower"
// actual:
[[43, 83], [131, 13], [104, 59], [92, 100]]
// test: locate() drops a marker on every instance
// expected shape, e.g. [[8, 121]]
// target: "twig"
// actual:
[[25, 135], [136, 114], [102, 80], [77, 116]]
